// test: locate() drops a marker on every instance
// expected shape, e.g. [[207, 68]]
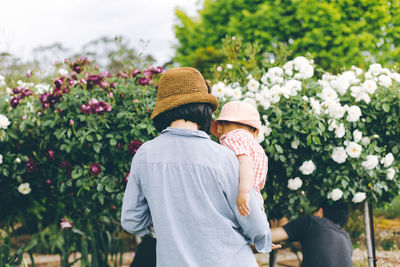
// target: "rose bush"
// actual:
[[66, 148], [328, 137]]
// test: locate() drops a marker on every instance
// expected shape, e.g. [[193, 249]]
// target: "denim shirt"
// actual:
[[185, 185]]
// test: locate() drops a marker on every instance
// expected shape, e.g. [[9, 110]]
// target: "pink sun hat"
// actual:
[[240, 112]]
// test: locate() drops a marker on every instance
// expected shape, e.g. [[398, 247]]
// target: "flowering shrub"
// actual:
[[66, 148], [331, 138]]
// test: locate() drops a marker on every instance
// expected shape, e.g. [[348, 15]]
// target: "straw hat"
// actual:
[[181, 86], [240, 112]]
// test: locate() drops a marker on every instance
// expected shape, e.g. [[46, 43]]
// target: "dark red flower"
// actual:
[[65, 165], [50, 154], [15, 101], [144, 81], [122, 75], [31, 165], [17, 90], [58, 83], [95, 168], [135, 73], [65, 224], [134, 146], [26, 92]]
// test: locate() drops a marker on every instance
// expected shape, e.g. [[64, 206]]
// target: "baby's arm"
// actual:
[[245, 178]]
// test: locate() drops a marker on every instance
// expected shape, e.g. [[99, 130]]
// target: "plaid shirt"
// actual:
[[241, 142]]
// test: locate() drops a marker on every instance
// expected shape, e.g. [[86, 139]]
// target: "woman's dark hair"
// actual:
[[200, 113], [337, 212]]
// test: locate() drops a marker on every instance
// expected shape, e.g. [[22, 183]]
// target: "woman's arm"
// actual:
[[135, 215]]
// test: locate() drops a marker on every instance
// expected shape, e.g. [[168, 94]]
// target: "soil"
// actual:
[[285, 257]]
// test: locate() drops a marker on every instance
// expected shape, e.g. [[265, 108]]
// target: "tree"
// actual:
[[336, 33]]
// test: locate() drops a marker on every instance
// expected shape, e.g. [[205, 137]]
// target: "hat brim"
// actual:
[[175, 101]]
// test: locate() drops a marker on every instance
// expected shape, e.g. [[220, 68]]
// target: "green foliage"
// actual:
[[336, 33], [72, 146], [390, 210], [306, 119]]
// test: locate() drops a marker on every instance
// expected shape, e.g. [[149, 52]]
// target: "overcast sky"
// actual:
[[26, 24]]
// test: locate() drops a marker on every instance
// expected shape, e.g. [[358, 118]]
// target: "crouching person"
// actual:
[[185, 185]]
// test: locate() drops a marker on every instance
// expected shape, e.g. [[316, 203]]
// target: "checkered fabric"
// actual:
[[241, 142]]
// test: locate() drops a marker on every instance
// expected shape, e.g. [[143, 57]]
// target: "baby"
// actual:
[[237, 126]]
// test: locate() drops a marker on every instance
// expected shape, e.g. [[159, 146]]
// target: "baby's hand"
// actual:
[[243, 203]]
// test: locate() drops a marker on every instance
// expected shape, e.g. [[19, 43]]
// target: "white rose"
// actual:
[[336, 111], [229, 66], [369, 86], [41, 88], [4, 122], [1, 158], [218, 89], [365, 141], [24, 188], [371, 162], [354, 113], [328, 93], [18, 160], [339, 155], [357, 135], [294, 144], [390, 174], [63, 72], [353, 149], [332, 125], [385, 81], [253, 85], [294, 184], [387, 160], [293, 86], [357, 70], [341, 84], [307, 167], [251, 101], [375, 69], [236, 93], [340, 131], [396, 76], [359, 197], [316, 106], [359, 94], [336, 194]]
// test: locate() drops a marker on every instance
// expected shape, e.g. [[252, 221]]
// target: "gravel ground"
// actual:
[[385, 258]]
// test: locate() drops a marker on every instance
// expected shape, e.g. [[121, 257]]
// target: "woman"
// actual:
[[185, 185]]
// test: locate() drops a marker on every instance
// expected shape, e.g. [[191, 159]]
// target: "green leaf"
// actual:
[[100, 187], [113, 142], [108, 189], [97, 147], [101, 199], [316, 140], [89, 138], [386, 107], [278, 148], [76, 172]]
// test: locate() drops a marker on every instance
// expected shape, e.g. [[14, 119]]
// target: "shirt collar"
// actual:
[[185, 132], [233, 132]]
